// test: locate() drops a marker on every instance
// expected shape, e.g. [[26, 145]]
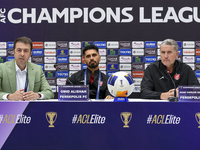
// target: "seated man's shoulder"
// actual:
[[34, 65], [78, 72], [103, 75], [184, 64], [153, 65], [184, 67], [6, 64]]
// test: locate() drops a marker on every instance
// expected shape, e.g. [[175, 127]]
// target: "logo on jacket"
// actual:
[[177, 76], [101, 83], [161, 78]]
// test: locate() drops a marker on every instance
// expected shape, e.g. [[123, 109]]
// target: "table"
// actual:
[[99, 125]]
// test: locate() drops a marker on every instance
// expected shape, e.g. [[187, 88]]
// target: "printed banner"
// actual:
[[189, 93], [73, 92]]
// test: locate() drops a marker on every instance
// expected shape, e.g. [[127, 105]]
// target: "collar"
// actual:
[[95, 72], [18, 69], [176, 66]]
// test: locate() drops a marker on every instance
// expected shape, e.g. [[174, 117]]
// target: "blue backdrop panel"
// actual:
[[143, 132]]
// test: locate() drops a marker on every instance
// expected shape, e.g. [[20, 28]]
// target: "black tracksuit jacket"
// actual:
[[156, 80], [78, 79]]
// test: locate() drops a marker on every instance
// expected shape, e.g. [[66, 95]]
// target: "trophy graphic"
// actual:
[[197, 116], [126, 118], [51, 118]]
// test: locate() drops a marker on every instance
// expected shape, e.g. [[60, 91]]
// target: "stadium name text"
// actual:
[[98, 15]]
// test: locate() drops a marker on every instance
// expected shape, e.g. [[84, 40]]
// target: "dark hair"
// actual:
[[24, 40], [90, 47]]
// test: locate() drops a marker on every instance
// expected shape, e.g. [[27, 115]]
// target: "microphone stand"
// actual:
[[172, 99], [56, 67]]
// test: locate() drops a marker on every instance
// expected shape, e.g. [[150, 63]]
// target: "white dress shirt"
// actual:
[[20, 77]]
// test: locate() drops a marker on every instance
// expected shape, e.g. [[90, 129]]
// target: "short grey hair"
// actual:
[[170, 42]]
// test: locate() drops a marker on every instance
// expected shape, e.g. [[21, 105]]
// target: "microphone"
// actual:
[[172, 99], [56, 67]]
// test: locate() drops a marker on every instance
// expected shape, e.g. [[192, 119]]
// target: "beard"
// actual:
[[93, 65]]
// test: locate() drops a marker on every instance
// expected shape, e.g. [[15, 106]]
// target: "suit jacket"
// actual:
[[36, 79]]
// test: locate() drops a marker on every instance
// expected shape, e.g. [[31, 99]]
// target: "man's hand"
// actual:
[[30, 95], [109, 97], [177, 92], [18, 95], [168, 94]]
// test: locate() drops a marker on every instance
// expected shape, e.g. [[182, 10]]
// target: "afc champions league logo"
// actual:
[[197, 116], [51, 118], [126, 118], [121, 83]]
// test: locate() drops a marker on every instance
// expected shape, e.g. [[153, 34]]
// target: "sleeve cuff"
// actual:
[[42, 96], [4, 97]]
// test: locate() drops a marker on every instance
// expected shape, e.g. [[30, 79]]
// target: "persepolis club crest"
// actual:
[[177, 76]]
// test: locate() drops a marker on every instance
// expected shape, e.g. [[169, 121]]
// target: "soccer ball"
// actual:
[[120, 84]]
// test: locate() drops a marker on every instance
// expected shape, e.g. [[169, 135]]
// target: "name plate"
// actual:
[[189, 93], [73, 92]]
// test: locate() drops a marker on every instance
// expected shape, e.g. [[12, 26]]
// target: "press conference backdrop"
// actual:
[[128, 33]]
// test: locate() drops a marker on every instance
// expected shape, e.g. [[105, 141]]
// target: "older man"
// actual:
[[157, 83]]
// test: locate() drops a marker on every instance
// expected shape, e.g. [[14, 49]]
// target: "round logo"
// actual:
[[177, 76]]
